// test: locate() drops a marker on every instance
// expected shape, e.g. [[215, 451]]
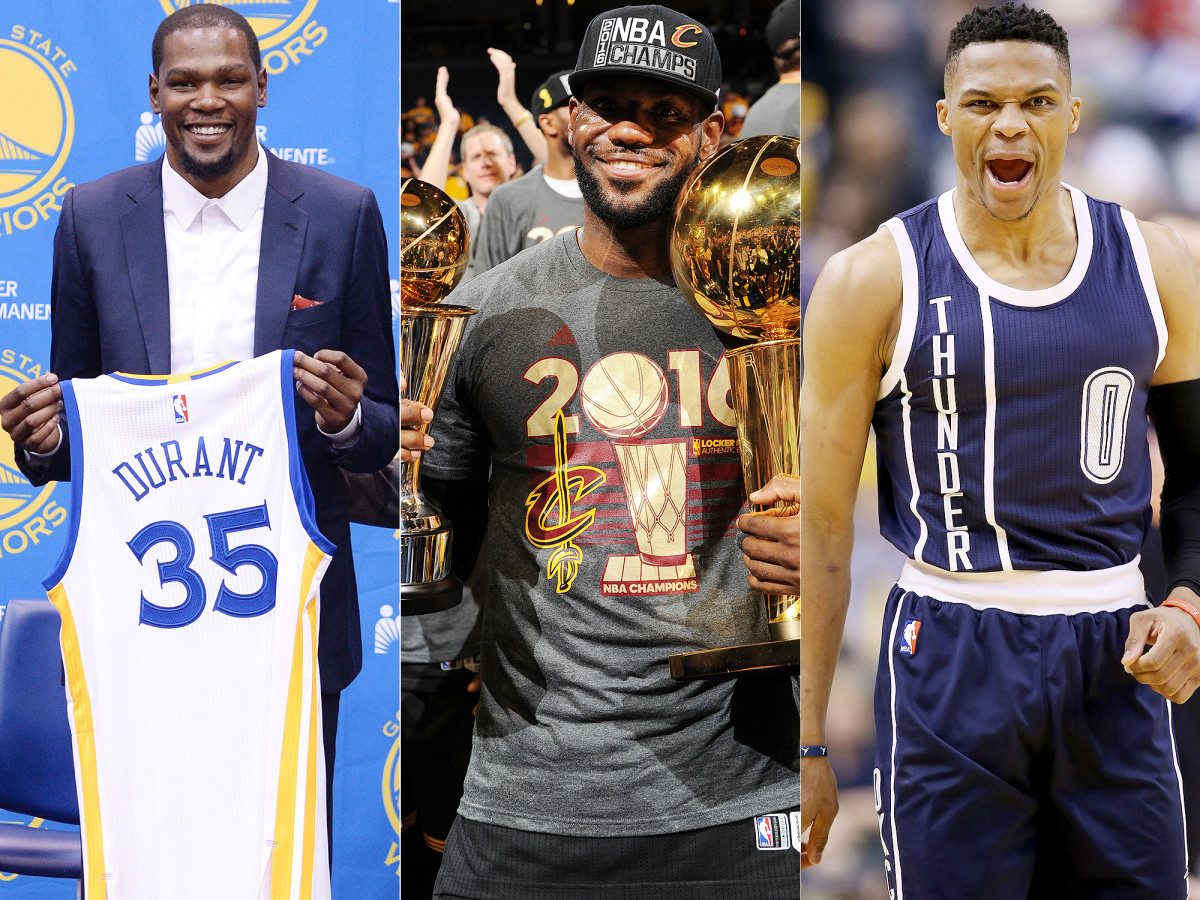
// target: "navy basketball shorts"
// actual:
[[1016, 758], [748, 859]]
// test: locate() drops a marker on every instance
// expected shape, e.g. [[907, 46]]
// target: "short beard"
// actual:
[[657, 207], [207, 171]]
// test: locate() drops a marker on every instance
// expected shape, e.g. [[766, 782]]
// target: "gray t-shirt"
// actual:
[[775, 112], [581, 728], [522, 214]]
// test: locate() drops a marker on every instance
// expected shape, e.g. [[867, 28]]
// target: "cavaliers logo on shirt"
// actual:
[[645, 486]]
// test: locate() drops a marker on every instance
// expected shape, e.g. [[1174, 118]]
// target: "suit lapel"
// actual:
[[145, 243], [284, 226]]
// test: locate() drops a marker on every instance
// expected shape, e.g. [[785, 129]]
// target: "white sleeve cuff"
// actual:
[[347, 435], [45, 456]]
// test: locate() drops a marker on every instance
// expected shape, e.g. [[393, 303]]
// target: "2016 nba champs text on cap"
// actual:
[[653, 42]]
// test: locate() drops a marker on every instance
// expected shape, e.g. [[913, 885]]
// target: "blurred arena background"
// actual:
[[873, 73], [542, 37]]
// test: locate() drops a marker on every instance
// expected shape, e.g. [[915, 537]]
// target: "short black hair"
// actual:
[[203, 15], [1010, 22]]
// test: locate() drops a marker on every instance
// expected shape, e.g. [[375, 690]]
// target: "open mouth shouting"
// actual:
[[1009, 173]]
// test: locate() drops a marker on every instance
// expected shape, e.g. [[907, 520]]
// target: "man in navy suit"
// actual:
[[221, 251]]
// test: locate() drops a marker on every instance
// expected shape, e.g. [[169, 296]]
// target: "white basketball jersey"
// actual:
[[188, 590]]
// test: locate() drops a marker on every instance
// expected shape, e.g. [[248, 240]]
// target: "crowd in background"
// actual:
[[744, 53], [873, 74]]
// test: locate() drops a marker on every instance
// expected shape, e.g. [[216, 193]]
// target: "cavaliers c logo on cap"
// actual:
[[677, 37]]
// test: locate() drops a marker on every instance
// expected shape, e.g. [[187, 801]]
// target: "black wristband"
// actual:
[[1175, 409]]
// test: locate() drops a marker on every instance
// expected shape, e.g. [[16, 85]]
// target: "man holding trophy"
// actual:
[[587, 420]]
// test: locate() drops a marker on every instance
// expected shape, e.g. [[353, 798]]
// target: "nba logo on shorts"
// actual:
[[771, 832], [179, 402], [908, 641]]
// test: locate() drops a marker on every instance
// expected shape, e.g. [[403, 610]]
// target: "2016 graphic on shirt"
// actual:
[[625, 396]]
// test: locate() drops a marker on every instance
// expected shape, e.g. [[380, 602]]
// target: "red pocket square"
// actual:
[[299, 302]]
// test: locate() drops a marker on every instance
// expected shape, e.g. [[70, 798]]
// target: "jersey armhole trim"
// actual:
[[75, 429], [908, 307], [301, 491], [1141, 255]]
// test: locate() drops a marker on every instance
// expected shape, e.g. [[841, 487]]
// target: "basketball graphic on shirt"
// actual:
[[624, 395]]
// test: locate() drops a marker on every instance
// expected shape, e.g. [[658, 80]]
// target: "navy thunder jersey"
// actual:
[[1011, 424]]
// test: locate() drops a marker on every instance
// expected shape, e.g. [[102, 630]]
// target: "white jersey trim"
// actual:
[[892, 773], [989, 431], [1141, 255], [914, 493], [1178, 782], [1012, 295], [1031, 592], [908, 307]]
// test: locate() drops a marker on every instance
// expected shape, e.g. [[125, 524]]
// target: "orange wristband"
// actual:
[[1186, 607]]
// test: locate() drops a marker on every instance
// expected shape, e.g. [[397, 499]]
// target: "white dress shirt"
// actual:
[[212, 276], [212, 273], [212, 267]]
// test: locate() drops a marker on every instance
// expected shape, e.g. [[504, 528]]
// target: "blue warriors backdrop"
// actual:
[[73, 107]]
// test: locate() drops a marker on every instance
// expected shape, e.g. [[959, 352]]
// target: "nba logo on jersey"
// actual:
[[772, 832], [908, 641], [179, 401]]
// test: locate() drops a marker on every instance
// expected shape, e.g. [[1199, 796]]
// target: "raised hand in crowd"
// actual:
[[437, 164], [521, 118]]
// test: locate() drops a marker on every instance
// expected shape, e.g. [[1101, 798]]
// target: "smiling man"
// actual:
[[221, 251], [569, 428], [1007, 341]]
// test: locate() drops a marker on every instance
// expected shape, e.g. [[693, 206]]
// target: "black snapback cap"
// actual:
[[551, 94], [653, 42], [784, 24]]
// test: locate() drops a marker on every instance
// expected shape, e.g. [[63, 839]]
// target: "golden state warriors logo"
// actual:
[[27, 514], [37, 126], [391, 790], [286, 29]]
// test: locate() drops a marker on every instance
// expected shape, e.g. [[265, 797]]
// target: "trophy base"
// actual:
[[430, 596], [769, 655], [784, 629]]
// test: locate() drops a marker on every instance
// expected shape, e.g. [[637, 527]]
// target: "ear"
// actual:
[[943, 116], [572, 112], [1075, 104], [155, 107], [711, 137], [262, 87]]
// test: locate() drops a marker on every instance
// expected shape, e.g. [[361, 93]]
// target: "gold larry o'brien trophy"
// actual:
[[735, 254], [434, 251]]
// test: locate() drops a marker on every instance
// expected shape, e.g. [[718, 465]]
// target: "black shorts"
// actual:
[[721, 862], [436, 727]]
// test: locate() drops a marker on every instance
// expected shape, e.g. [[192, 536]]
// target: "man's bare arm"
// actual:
[[850, 327]]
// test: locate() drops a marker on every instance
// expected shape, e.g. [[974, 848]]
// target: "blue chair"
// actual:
[[37, 768]]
